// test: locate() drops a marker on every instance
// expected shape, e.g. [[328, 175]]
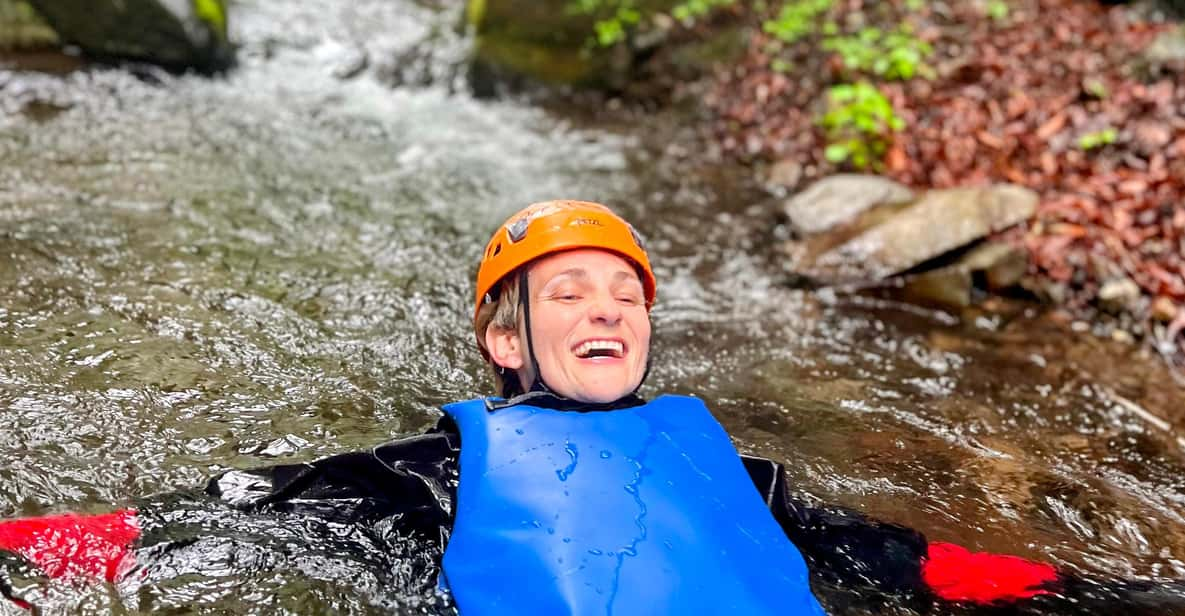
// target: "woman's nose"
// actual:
[[605, 309]]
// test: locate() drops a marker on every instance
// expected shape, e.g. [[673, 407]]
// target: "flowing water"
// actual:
[[275, 265]]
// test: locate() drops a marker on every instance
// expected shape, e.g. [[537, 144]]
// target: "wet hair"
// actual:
[[501, 313]]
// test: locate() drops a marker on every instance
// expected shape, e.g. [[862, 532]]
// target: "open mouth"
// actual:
[[590, 349]]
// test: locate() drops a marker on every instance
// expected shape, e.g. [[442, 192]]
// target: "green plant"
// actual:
[[997, 10], [1097, 139], [897, 54], [612, 30], [796, 19], [778, 65], [894, 55], [616, 18], [1095, 88], [859, 123], [690, 10]]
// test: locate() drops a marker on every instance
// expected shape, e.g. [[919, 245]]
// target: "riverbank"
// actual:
[[1078, 101]]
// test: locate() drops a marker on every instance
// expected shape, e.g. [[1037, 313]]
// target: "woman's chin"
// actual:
[[603, 394]]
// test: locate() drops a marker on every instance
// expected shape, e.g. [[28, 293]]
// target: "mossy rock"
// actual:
[[725, 46], [547, 42], [21, 28], [171, 34]]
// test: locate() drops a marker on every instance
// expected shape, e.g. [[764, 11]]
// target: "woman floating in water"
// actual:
[[571, 493]]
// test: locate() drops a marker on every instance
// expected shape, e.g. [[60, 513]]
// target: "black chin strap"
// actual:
[[524, 300]]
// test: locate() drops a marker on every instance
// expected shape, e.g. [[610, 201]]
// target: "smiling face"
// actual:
[[589, 324]]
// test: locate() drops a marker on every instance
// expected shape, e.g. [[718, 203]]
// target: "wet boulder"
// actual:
[[890, 237], [21, 28], [177, 34], [548, 42], [988, 266]]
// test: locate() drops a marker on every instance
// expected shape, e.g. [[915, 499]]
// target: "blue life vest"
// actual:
[[643, 510]]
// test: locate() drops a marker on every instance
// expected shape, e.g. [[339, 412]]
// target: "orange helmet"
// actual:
[[554, 226]]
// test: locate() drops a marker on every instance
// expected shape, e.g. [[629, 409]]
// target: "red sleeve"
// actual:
[[70, 545]]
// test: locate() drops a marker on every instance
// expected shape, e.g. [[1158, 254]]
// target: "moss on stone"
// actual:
[[21, 28], [475, 12], [538, 61], [545, 41], [725, 46], [213, 13]]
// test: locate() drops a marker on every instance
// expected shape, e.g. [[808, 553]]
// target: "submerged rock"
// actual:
[[993, 266], [171, 33], [884, 243]]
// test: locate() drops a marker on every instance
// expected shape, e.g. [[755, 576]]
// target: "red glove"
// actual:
[[955, 574], [68, 545]]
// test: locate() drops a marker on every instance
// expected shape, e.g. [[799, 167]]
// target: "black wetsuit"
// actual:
[[856, 563]]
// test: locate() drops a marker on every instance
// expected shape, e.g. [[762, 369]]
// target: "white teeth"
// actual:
[[599, 345]]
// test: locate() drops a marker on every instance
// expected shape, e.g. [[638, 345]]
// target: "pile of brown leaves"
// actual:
[[1011, 102]]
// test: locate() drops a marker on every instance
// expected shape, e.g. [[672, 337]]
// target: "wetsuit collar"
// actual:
[[550, 400]]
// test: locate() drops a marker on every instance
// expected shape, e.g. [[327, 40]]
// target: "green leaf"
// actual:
[[1097, 139], [609, 32], [997, 10], [836, 153]]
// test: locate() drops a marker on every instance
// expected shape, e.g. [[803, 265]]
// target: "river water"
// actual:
[[275, 265]]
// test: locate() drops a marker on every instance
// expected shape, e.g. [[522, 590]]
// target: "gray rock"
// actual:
[[940, 221], [1167, 48], [839, 198], [1119, 295], [172, 33], [785, 173]]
